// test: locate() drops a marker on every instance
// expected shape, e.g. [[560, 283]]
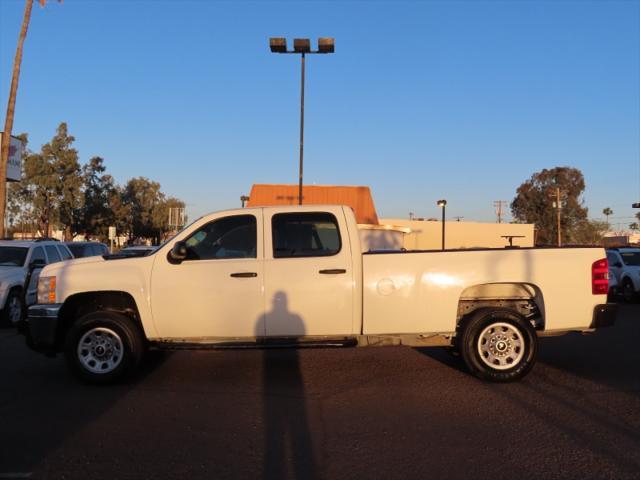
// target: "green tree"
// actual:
[[606, 212], [534, 203], [634, 226], [161, 217], [589, 232], [51, 183], [143, 196], [68, 182], [96, 214]]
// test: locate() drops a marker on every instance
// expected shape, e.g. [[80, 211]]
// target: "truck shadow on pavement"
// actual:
[[288, 446]]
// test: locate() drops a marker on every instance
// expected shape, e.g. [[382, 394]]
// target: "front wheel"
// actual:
[[103, 347], [498, 345], [13, 311]]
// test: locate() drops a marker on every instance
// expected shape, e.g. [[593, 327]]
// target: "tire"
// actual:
[[628, 291], [104, 347], [498, 345], [13, 311]]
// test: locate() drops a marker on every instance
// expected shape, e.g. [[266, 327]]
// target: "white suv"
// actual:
[[624, 265], [20, 264]]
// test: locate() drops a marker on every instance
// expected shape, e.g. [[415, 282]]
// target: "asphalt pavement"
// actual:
[[343, 413]]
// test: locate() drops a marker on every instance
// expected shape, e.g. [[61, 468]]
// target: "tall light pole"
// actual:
[[443, 204], [301, 46]]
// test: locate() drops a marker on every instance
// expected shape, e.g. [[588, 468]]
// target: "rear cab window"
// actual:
[[52, 253], [312, 234], [64, 252], [38, 254]]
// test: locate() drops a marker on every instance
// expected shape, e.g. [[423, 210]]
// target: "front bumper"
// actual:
[[42, 324], [604, 315]]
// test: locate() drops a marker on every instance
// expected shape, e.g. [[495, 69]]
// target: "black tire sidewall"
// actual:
[[5, 318], [123, 326], [474, 327]]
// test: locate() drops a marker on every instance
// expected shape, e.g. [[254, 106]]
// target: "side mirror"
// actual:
[[178, 253], [37, 263]]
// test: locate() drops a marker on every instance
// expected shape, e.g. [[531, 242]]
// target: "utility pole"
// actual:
[[499, 206], [558, 205]]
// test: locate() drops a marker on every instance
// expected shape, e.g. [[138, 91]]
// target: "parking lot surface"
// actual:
[[391, 412]]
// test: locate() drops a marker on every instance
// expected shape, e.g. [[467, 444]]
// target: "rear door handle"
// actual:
[[333, 271], [244, 275]]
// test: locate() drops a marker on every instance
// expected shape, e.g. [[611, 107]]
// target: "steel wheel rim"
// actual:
[[501, 346], [15, 309], [100, 350]]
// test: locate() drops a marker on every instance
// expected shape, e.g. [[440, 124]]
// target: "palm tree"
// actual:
[[11, 105], [606, 212]]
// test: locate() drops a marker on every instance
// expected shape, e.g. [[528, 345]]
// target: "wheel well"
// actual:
[[81, 304], [12, 289], [523, 298]]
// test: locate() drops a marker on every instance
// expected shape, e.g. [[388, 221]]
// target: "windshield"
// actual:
[[631, 258], [13, 256]]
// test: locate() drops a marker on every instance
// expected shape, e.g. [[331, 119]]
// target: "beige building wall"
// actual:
[[425, 235]]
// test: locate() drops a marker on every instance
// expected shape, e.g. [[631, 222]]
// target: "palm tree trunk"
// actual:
[[11, 105]]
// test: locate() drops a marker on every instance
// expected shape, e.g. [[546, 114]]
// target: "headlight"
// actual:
[[47, 290]]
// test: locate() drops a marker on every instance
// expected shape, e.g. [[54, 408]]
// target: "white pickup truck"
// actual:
[[297, 276]]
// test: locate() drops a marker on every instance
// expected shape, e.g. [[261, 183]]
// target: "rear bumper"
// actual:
[[42, 324], [604, 315]]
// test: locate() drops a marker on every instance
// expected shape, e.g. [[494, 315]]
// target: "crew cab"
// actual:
[[297, 276]]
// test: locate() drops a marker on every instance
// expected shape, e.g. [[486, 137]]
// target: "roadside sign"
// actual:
[[14, 163], [112, 233]]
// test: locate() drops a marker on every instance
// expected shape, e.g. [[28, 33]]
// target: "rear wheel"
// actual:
[[103, 347], [628, 292], [498, 345]]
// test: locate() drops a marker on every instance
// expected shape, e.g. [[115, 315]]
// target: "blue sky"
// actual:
[[422, 100]]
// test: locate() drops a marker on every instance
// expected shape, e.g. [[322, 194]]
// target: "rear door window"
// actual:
[[305, 235]]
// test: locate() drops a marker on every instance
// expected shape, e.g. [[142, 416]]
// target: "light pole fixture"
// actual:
[[301, 46], [243, 199], [443, 204]]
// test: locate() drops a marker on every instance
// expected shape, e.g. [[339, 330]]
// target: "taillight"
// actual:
[[600, 277]]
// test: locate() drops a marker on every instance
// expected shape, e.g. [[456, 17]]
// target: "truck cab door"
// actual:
[[217, 291], [309, 276]]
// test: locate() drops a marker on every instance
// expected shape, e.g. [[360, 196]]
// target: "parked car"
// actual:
[[87, 249], [20, 264], [296, 275], [624, 265], [613, 286]]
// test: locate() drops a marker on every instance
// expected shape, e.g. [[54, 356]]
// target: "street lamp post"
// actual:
[[443, 204], [301, 46]]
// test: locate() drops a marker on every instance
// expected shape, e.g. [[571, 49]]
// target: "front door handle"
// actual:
[[333, 271], [244, 275]]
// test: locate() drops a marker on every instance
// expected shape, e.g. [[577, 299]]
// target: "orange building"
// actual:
[[358, 198]]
